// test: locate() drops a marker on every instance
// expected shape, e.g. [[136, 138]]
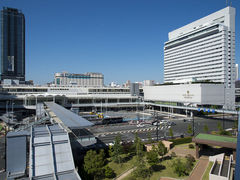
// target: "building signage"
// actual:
[[188, 95]]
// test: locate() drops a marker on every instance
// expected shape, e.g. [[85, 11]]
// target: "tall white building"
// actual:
[[237, 71], [88, 79], [204, 50]]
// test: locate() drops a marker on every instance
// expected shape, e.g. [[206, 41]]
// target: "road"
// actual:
[[108, 133]]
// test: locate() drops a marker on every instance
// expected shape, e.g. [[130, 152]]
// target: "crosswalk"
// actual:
[[126, 131]]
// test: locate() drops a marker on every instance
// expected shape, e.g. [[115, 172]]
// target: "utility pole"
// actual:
[[12, 110], [193, 123]]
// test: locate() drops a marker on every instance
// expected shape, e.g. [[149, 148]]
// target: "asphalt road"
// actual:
[[108, 133]]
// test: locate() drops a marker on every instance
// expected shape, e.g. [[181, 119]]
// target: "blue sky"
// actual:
[[123, 39]]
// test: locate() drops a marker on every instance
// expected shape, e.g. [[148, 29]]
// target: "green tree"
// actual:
[[205, 128], [190, 130], [94, 163], [220, 129], [117, 150], [171, 133], [189, 163], [152, 156], [161, 149], [149, 138], [179, 167], [138, 150], [142, 172], [109, 173], [235, 125]]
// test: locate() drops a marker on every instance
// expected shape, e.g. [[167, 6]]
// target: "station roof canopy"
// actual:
[[68, 118]]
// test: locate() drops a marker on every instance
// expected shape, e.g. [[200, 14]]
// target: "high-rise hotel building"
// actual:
[[204, 50], [12, 40]]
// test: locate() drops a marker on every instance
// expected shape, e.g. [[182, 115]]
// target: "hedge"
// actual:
[[181, 140]]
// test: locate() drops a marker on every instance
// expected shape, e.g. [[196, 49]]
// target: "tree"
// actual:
[[138, 150], [117, 149], [109, 173], [179, 167], [189, 131], [150, 138], [161, 149], [94, 163], [235, 125], [152, 156], [189, 162], [142, 172], [205, 128], [219, 126], [171, 132]]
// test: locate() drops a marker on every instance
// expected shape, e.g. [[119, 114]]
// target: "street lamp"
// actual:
[[12, 110]]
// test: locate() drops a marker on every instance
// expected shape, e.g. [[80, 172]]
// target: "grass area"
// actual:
[[1, 127], [167, 171], [206, 174], [216, 138], [120, 168], [185, 146]]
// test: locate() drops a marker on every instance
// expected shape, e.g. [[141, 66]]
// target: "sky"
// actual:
[[123, 39]]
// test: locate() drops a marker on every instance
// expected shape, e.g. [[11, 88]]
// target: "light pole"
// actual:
[[7, 108], [193, 124], [12, 110]]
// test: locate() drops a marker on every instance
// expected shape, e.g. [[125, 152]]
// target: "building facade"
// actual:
[[88, 79], [201, 94], [12, 44], [204, 50]]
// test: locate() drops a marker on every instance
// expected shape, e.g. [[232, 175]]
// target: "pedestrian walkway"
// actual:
[[199, 170], [125, 174]]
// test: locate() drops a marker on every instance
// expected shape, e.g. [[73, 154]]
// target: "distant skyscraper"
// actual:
[[12, 44]]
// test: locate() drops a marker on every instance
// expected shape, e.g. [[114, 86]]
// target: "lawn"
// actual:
[[185, 146], [206, 174], [120, 168], [166, 172]]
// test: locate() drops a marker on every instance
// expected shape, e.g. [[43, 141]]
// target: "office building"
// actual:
[[12, 45], [204, 50], [148, 83], [88, 79]]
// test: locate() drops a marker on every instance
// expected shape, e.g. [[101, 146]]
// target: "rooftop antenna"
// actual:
[[226, 2]]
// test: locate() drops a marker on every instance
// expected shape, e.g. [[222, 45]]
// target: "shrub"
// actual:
[[190, 158], [109, 173], [181, 140], [173, 154], [191, 146], [179, 167], [189, 163], [142, 172]]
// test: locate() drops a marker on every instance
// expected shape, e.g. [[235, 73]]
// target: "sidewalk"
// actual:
[[125, 174], [199, 170]]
